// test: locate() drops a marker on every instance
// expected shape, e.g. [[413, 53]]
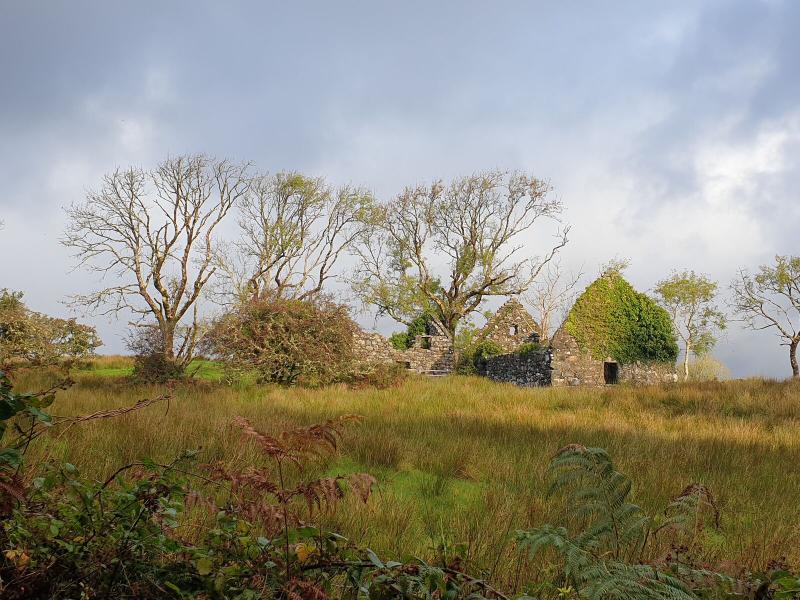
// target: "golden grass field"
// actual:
[[460, 460]]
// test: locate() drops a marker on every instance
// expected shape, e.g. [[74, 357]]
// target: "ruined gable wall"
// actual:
[[571, 365], [498, 327], [373, 348]]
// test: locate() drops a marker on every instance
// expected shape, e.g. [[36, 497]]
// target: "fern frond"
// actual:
[[534, 541], [619, 580], [597, 496]]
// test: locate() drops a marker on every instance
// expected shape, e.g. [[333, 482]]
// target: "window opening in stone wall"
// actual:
[[611, 372], [426, 342], [513, 330]]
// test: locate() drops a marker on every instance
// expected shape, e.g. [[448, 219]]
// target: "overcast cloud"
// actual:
[[671, 130]]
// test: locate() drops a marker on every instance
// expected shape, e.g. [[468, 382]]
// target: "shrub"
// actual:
[[290, 342], [422, 325], [38, 339], [150, 362], [473, 360], [708, 368], [529, 348]]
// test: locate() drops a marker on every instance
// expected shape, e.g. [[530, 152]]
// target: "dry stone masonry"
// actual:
[[510, 327], [529, 369], [431, 354]]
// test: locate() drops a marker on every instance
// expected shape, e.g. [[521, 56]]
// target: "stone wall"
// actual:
[[531, 369], [563, 364], [573, 366], [647, 373], [510, 327], [371, 347], [429, 353]]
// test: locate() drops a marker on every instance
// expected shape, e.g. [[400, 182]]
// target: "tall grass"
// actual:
[[460, 460]]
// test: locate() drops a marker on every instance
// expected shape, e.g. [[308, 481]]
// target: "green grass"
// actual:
[[122, 366], [460, 460]]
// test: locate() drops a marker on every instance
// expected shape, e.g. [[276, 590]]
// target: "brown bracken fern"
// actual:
[[262, 494]]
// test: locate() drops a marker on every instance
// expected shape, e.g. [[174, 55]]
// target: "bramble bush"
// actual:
[[66, 536], [290, 342], [150, 363]]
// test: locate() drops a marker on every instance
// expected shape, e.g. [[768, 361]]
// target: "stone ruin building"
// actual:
[[564, 361], [510, 327], [429, 354], [526, 360]]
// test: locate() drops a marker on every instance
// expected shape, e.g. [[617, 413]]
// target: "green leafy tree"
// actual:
[[770, 299], [689, 299], [39, 339], [442, 249]]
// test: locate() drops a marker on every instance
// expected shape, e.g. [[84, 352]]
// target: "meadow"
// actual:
[[461, 461]]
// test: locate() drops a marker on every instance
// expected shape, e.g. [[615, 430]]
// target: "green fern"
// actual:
[[603, 560]]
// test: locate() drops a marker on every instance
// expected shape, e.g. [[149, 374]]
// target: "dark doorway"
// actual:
[[611, 372]]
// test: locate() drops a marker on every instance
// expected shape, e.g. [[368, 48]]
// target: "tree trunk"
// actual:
[[686, 361], [168, 335], [793, 357]]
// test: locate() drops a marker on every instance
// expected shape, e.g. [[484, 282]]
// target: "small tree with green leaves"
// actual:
[[35, 338], [770, 299], [689, 300]]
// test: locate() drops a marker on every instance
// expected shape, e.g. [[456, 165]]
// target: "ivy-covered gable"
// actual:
[[611, 319]]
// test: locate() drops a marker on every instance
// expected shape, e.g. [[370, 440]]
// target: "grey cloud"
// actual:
[[622, 105]]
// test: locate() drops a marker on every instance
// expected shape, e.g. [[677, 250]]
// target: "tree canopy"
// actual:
[[689, 300], [40, 339], [770, 299], [442, 249]]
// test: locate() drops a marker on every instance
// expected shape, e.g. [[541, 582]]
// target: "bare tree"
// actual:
[[770, 299], [444, 249], [551, 295], [153, 234], [295, 230]]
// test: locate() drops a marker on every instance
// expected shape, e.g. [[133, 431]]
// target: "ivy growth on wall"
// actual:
[[611, 319], [422, 325]]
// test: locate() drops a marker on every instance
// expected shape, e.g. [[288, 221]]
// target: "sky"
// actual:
[[670, 131]]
